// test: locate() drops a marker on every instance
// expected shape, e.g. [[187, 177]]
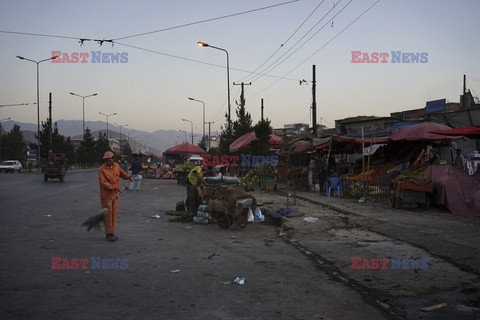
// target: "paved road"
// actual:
[[42, 220]]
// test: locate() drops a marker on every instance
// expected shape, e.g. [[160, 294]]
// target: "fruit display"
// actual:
[[186, 167], [255, 177]]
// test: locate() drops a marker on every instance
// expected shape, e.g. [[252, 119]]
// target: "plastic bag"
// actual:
[[259, 217], [250, 217]]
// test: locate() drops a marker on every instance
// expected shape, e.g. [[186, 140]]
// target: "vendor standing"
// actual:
[[194, 182], [460, 160]]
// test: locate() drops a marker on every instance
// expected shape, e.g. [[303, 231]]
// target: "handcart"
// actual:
[[411, 191]]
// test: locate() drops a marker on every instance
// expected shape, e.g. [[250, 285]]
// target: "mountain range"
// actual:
[[159, 140]]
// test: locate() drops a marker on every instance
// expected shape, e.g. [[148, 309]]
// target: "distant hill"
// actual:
[[160, 140]]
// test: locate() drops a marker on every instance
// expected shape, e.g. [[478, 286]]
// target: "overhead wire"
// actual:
[[206, 20], [323, 46], [274, 65], [285, 42]]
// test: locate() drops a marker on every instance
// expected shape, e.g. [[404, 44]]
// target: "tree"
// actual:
[[60, 144], [127, 150], [13, 144], [262, 131], [243, 124], [239, 127], [86, 154], [203, 143], [226, 139], [102, 145]]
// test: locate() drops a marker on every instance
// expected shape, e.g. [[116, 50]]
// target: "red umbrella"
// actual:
[[472, 132], [422, 131], [185, 148], [246, 140], [302, 146]]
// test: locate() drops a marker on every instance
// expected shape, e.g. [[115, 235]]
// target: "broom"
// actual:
[[96, 220]]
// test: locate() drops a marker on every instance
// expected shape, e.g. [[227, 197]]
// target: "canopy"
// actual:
[[422, 131], [456, 190], [246, 140], [185, 148], [347, 144], [299, 147], [472, 132]]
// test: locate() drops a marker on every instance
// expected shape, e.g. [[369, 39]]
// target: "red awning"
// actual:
[[245, 141], [472, 132], [185, 148], [423, 131]]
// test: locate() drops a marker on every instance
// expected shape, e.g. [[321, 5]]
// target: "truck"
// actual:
[[56, 167], [11, 166]]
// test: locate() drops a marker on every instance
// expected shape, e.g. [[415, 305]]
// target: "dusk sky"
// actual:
[[273, 48]]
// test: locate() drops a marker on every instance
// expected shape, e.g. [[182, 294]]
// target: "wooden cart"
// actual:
[[410, 193]]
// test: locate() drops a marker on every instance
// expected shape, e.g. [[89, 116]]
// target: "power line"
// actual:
[[206, 20], [273, 66], [196, 61], [275, 82], [285, 42]]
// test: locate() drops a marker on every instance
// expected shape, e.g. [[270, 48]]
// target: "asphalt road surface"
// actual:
[[165, 270]]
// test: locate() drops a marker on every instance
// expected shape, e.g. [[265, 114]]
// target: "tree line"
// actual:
[[13, 146]]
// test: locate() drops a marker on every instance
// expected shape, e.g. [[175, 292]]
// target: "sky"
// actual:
[[271, 43]]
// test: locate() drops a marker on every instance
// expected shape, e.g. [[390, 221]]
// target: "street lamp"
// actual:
[[203, 113], [83, 98], [120, 125], [6, 119], [203, 44], [185, 132], [191, 124], [107, 115], [38, 99]]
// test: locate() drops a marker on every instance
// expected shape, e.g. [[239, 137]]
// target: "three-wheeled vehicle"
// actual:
[[56, 167]]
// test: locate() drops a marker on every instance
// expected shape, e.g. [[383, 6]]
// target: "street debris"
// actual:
[[156, 216], [239, 280], [310, 219], [175, 271], [435, 307]]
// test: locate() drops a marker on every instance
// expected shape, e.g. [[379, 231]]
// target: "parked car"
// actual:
[[11, 166]]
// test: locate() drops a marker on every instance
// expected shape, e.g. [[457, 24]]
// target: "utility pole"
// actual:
[[50, 149], [242, 84], [261, 110], [314, 104], [209, 136]]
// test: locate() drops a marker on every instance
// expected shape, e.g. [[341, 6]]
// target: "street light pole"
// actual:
[[203, 44], [191, 124], [203, 113], [120, 125], [38, 99], [83, 98], [107, 115], [185, 132]]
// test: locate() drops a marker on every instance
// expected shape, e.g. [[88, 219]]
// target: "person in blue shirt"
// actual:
[[136, 168]]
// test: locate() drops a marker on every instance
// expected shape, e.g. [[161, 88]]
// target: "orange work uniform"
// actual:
[[108, 179]]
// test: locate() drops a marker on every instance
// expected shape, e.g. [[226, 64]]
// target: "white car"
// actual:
[[11, 166]]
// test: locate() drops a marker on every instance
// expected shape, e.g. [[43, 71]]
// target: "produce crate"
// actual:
[[268, 182]]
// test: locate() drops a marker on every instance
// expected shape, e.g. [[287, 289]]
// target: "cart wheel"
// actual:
[[231, 222], [45, 178], [221, 221], [241, 221]]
